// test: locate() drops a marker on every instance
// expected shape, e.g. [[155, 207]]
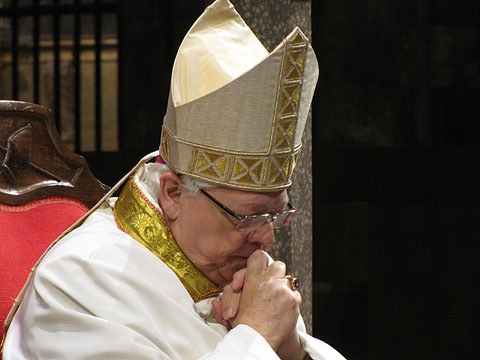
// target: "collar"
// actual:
[[138, 217]]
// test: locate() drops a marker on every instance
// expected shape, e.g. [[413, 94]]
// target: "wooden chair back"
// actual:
[[44, 188]]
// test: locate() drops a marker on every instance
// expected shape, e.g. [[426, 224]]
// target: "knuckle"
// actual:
[[280, 265]]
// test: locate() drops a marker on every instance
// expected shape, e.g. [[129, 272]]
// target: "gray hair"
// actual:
[[193, 185]]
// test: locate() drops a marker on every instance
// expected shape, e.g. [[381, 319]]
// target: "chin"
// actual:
[[235, 264], [238, 262]]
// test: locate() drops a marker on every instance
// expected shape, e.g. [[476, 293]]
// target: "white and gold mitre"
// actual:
[[236, 112]]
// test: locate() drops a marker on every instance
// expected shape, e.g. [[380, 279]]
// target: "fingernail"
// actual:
[[228, 314]]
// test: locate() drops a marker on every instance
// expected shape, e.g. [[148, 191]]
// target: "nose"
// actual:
[[263, 235]]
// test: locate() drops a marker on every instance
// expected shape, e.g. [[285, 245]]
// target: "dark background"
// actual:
[[396, 164], [396, 137]]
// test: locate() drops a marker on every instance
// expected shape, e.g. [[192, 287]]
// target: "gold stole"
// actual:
[[139, 218]]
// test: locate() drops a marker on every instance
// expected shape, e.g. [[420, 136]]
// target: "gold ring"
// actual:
[[294, 282]]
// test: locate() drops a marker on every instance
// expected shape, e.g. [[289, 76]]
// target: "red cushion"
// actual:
[[25, 233]]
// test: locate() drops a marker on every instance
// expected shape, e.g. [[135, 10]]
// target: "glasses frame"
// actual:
[[268, 218]]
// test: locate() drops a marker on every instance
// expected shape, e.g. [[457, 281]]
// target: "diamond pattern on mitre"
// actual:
[[248, 171], [212, 165], [279, 167], [289, 96], [296, 49], [284, 133]]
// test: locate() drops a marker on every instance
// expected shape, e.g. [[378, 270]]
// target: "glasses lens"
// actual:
[[284, 218], [254, 222]]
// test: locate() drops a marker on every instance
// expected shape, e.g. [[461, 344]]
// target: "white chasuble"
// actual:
[[106, 291]]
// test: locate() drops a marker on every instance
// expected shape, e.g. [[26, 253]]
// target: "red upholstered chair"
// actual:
[[44, 188]]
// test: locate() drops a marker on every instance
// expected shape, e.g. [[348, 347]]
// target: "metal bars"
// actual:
[[60, 37]]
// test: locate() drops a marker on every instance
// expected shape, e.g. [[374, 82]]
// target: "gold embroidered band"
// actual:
[[140, 219]]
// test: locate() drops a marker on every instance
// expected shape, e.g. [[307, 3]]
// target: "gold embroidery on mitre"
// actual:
[[139, 218], [294, 161], [288, 98], [255, 169], [246, 172], [280, 168], [272, 169], [165, 146], [210, 164]]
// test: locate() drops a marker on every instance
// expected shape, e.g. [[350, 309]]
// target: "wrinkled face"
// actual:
[[208, 235]]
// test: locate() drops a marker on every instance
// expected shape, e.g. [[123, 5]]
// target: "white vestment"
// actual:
[[100, 294]]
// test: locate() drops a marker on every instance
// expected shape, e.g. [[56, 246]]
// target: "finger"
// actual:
[[217, 313], [230, 302], [298, 300], [276, 269], [257, 263], [298, 297], [229, 313], [238, 280], [217, 309]]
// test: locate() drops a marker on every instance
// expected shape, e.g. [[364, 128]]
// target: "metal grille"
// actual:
[[64, 54]]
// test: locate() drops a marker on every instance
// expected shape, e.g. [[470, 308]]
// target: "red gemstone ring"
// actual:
[[294, 282]]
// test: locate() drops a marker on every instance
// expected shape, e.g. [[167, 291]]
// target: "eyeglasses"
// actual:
[[250, 222]]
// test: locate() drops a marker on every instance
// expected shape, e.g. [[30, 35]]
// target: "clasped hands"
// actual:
[[261, 297]]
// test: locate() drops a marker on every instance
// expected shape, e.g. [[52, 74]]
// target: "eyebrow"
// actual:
[[260, 209]]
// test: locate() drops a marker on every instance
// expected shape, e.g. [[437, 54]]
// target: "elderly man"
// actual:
[[176, 267]]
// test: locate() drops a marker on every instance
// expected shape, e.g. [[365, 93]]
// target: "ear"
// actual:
[[170, 191]]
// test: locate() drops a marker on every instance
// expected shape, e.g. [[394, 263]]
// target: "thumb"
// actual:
[[257, 263]]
